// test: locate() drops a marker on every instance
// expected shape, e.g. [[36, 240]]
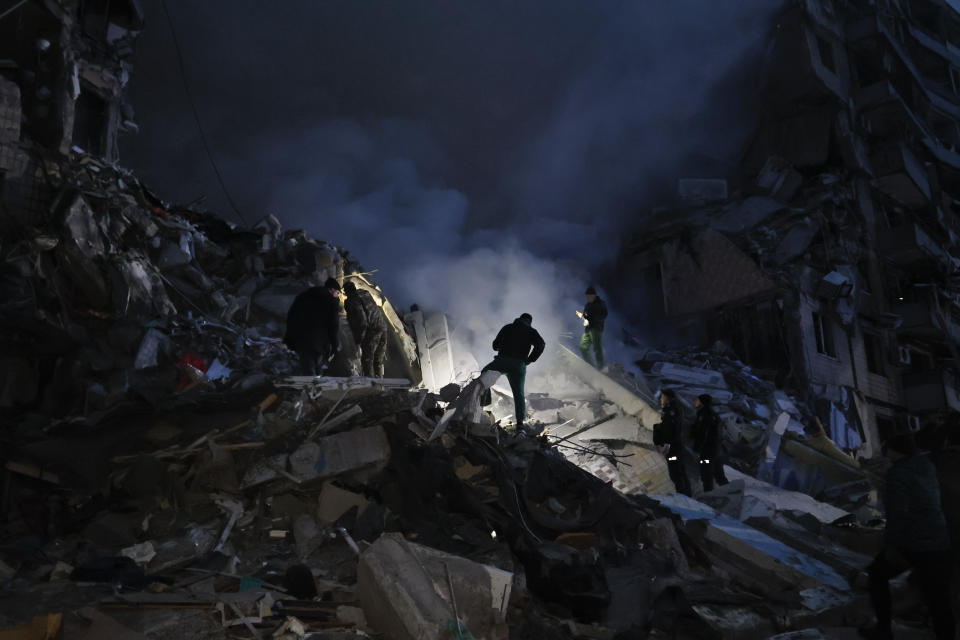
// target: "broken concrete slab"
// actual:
[[466, 408], [411, 592], [773, 565], [746, 497], [628, 402], [645, 471], [433, 346], [626, 428], [689, 375], [340, 453]]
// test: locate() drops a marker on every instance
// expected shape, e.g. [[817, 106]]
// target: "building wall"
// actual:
[[707, 271], [824, 369]]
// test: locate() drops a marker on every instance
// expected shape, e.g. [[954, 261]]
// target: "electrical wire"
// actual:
[[12, 9], [196, 115]]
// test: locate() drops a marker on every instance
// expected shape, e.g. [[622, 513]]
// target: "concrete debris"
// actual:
[[157, 446], [417, 592]]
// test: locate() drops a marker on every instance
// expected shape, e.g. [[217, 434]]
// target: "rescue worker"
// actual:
[[706, 442], [313, 326], [517, 345], [668, 433], [593, 315], [916, 537], [369, 328]]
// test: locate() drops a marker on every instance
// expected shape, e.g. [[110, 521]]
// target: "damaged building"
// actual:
[[63, 70], [832, 265], [164, 475]]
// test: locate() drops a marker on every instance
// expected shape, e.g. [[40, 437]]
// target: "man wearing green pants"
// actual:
[[593, 315], [517, 345]]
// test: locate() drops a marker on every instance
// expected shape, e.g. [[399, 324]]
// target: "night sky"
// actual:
[[429, 136]]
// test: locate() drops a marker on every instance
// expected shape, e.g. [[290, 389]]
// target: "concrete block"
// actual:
[[759, 560], [433, 348], [689, 375], [647, 473], [405, 592], [616, 393], [340, 453]]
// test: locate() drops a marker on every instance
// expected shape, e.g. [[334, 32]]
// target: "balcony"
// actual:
[[909, 245], [937, 390], [901, 175], [925, 318], [885, 111], [932, 42]]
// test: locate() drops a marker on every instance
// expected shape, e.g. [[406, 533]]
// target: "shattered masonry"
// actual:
[[831, 266], [166, 477]]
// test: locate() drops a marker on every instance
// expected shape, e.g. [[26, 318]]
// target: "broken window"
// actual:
[[825, 49], [873, 346], [823, 332], [90, 122]]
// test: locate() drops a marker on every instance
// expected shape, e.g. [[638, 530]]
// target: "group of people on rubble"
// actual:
[[313, 327], [916, 535], [669, 435]]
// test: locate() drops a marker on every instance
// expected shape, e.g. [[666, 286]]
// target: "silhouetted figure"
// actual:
[[706, 442], [313, 326], [517, 345], [369, 328], [916, 538], [594, 315], [669, 434]]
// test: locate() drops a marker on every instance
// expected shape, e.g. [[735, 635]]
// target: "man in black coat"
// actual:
[[594, 315], [313, 326], [369, 328], [706, 441], [916, 537], [669, 434], [517, 345]]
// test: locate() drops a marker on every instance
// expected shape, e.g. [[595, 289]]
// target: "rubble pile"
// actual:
[[323, 506], [118, 297], [164, 472]]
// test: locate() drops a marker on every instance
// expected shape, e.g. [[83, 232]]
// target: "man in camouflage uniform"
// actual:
[[369, 329]]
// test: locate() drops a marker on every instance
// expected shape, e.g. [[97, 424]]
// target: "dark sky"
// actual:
[[434, 129]]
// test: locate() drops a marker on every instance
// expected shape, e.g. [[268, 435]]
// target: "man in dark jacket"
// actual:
[[369, 329], [916, 537], [313, 326], [517, 345], [706, 441], [669, 434], [594, 314]]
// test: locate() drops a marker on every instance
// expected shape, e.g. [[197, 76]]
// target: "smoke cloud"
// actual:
[[486, 158]]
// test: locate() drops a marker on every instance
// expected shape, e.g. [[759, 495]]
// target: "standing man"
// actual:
[[669, 434], [369, 329], [706, 441], [593, 315], [916, 537], [313, 326], [517, 345]]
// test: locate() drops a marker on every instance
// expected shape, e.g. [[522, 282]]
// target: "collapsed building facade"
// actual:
[[833, 265], [165, 476]]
